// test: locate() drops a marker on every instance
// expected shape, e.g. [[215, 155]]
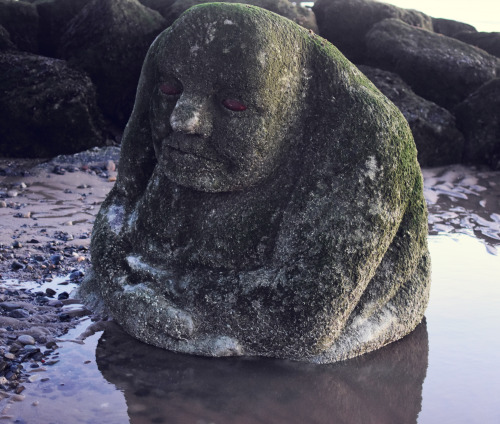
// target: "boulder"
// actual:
[[109, 40], [346, 22], [300, 15], [46, 107], [438, 68], [161, 6], [434, 129], [269, 200], [20, 19], [488, 41], [5, 41], [54, 16], [450, 27], [478, 117]]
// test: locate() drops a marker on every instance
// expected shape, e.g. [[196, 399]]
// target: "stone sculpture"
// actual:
[[269, 201]]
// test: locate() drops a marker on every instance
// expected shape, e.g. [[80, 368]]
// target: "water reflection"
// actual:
[[163, 387]]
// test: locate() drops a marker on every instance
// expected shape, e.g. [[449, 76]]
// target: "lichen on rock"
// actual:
[[269, 199]]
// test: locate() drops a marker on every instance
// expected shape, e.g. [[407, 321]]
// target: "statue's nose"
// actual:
[[191, 115]]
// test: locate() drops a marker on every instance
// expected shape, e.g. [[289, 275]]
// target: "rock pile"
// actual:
[[439, 69]]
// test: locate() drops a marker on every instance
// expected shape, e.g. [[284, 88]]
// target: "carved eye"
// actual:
[[171, 89], [234, 105]]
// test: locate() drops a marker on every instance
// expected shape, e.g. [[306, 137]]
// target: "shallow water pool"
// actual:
[[446, 371]]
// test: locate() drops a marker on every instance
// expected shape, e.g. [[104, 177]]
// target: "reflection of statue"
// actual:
[[269, 201], [381, 387]]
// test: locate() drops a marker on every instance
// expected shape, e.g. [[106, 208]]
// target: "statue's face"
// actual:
[[219, 119]]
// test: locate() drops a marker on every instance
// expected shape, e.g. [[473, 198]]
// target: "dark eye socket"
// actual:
[[234, 105], [171, 88]]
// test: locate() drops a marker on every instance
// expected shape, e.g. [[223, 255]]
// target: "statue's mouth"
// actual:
[[190, 145]]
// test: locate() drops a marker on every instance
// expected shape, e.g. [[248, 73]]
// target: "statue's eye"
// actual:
[[234, 105], [171, 89]]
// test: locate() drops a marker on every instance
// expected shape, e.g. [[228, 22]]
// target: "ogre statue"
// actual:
[[269, 201]]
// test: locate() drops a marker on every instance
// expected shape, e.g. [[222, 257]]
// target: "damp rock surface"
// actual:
[[263, 206]]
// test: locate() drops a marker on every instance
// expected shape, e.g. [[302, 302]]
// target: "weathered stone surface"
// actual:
[[54, 16], [346, 22], [300, 15], [450, 27], [438, 68], [269, 201], [20, 19], [488, 41], [478, 117], [5, 41], [161, 6], [109, 40], [434, 129], [46, 107]]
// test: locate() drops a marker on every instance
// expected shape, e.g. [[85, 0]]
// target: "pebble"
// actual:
[[9, 356], [10, 306], [63, 295], [19, 313], [50, 292], [26, 339], [16, 266], [12, 193], [3, 204], [110, 166], [17, 244]]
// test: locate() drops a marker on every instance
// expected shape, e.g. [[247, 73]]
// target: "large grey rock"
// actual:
[[478, 117], [109, 40], [438, 68], [450, 27], [5, 41], [488, 41], [20, 19], [46, 107], [434, 129], [54, 16], [300, 15], [269, 201], [346, 22], [161, 6]]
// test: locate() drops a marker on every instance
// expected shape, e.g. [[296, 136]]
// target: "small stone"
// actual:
[[50, 292], [56, 259], [26, 339], [19, 313], [19, 390], [17, 244], [112, 179], [9, 356], [10, 306], [63, 295], [16, 266], [23, 185], [3, 204], [12, 193], [68, 223]]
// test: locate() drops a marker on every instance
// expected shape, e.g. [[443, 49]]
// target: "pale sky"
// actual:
[[483, 14]]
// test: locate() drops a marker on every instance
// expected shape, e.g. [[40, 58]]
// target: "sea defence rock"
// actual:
[[434, 129], [54, 16], [346, 22], [5, 41], [300, 15], [438, 68], [478, 117], [268, 202], [109, 40], [488, 41], [450, 27], [46, 107], [161, 6], [20, 19]]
